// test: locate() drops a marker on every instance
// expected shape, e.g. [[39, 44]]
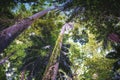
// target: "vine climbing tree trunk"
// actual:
[[52, 67], [10, 33]]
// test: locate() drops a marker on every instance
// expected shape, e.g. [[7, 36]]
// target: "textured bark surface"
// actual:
[[52, 67], [10, 33]]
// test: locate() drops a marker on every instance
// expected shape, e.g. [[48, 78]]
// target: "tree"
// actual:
[[9, 34], [52, 67]]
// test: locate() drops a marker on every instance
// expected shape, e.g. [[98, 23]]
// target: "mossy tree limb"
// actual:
[[52, 67]]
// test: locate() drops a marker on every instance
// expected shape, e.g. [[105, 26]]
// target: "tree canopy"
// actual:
[[38, 42]]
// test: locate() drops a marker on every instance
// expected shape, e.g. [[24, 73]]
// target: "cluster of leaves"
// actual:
[[98, 68], [89, 61]]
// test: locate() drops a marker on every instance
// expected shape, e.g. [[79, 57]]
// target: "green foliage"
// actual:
[[95, 20], [99, 66], [88, 59]]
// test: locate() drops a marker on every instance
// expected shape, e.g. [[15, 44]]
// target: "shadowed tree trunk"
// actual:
[[9, 34], [52, 67]]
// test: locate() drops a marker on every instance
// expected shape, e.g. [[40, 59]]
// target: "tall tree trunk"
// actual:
[[10, 33], [52, 67]]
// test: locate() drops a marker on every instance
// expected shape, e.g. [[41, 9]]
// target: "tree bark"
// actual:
[[10, 33], [52, 67]]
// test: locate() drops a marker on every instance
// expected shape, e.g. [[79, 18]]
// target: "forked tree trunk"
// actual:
[[10, 33], [52, 67]]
